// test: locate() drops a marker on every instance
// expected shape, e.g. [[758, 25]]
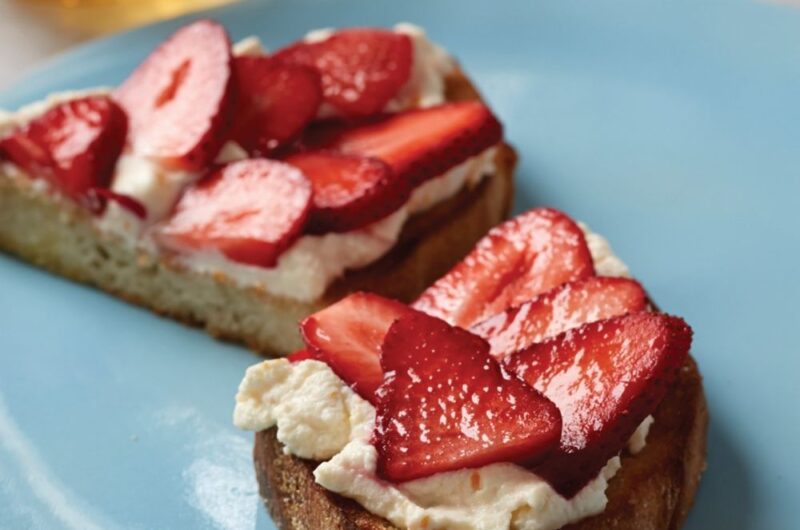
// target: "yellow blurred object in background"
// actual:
[[96, 17]]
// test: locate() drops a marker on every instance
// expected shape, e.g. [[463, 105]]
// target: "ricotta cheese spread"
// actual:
[[320, 417]]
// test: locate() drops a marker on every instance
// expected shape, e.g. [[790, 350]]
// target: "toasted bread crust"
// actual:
[[652, 491], [60, 236]]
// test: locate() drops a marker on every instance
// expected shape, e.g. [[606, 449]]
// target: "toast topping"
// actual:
[[564, 307], [513, 263], [348, 336], [195, 104], [460, 442], [362, 69], [446, 404], [350, 191], [275, 102], [418, 144], [179, 100], [74, 145], [279, 393], [249, 211], [606, 378]]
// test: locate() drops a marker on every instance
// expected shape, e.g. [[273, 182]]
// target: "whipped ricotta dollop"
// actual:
[[316, 413], [318, 416], [496, 496]]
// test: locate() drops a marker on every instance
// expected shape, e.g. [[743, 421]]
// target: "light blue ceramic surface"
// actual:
[[672, 128]]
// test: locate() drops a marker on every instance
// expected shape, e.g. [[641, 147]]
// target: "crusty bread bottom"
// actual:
[[60, 236], [652, 491]]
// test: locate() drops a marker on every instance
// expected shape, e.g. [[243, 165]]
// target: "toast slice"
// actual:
[[654, 489], [60, 236]]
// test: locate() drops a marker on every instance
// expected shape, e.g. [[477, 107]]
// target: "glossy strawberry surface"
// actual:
[[180, 99], [516, 261], [605, 378], [274, 102], [362, 69], [564, 307], [249, 211], [418, 144], [350, 191], [73, 145], [348, 336], [446, 404]]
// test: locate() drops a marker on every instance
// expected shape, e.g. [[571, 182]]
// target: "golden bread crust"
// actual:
[[652, 491], [60, 236]]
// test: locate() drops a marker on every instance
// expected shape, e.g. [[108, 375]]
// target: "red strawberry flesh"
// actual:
[[567, 306], [275, 101], [513, 263], [605, 378], [420, 144], [446, 405], [74, 145], [349, 191], [250, 211], [179, 99], [98, 199], [347, 336], [362, 69]]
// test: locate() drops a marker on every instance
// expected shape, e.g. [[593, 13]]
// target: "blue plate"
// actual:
[[672, 128]]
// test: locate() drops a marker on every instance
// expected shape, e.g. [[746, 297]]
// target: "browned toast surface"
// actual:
[[652, 491], [60, 236]]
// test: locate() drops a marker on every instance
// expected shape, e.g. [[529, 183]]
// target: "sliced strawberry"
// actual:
[[512, 264], [348, 334], [98, 199], [446, 405], [301, 355], [362, 69], [418, 144], [250, 211], [275, 102], [567, 306], [74, 145], [350, 191], [179, 99], [605, 378]]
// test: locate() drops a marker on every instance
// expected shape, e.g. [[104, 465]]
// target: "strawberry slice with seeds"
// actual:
[[74, 145], [347, 336], [350, 191], [250, 211], [446, 404], [419, 144], [605, 378], [179, 99], [567, 306], [513, 263], [275, 101], [362, 69]]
